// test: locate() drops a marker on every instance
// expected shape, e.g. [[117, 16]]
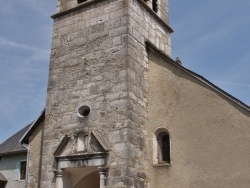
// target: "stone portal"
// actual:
[[81, 169]]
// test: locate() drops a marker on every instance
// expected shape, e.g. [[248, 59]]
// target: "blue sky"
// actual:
[[25, 39], [211, 38]]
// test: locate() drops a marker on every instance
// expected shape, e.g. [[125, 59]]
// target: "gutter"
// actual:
[[27, 164], [11, 153]]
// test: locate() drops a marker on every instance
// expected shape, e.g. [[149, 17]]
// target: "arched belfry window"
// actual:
[[161, 147], [155, 5]]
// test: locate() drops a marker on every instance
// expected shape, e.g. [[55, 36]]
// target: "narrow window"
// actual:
[[163, 148], [23, 170], [155, 5], [80, 1]]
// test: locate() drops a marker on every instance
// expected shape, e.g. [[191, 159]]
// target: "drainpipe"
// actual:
[[27, 163]]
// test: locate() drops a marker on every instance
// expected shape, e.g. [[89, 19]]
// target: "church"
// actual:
[[121, 113]]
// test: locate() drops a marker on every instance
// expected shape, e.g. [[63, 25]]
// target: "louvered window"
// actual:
[[155, 5]]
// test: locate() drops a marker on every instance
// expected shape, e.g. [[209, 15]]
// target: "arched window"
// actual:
[[161, 147]]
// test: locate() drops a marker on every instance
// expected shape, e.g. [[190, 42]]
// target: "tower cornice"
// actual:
[[91, 2]]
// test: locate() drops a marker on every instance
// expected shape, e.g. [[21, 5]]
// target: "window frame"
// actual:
[[19, 170], [157, 147], [163, 148], [23, 169]]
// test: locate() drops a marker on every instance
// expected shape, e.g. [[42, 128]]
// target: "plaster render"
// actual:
[[34, 157], [8, 165], [209, 133]]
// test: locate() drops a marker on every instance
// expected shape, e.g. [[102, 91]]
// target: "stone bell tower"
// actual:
[[96, 111]]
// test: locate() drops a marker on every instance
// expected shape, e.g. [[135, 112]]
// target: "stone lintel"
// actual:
[[85, 160], [84, 156]]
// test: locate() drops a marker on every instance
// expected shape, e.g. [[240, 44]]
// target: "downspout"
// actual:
[[27, 163]]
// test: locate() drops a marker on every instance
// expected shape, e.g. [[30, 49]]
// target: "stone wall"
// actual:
[[65, 5], [143, 26], [99, 59], [89, 67]]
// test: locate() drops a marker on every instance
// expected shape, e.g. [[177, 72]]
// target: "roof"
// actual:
[[199, 77], [2, 178], [25, 137], [12, 145]]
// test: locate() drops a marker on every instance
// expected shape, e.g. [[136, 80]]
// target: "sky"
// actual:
[[210, 37]]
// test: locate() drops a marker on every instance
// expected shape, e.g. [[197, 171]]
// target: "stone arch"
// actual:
[[78, 177], [92, 180]]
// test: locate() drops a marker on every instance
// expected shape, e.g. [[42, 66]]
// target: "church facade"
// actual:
[[121, 113]]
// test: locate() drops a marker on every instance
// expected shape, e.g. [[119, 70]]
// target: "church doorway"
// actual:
[[86, 167]]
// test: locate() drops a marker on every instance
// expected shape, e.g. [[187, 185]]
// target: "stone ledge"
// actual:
[[162, 164]]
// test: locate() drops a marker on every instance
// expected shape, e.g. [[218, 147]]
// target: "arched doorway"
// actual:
[[81, 177], [86, 167], [92, 180]]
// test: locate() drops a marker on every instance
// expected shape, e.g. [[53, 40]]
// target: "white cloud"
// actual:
[[24, 58], [7, 42]]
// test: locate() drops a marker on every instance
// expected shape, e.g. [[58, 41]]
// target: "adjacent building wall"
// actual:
[[209, 132], [8, 166], [34, 158]]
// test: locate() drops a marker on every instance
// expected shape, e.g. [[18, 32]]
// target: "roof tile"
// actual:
[[12, 145]]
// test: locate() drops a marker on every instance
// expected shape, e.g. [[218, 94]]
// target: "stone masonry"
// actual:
[[99, 59]]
